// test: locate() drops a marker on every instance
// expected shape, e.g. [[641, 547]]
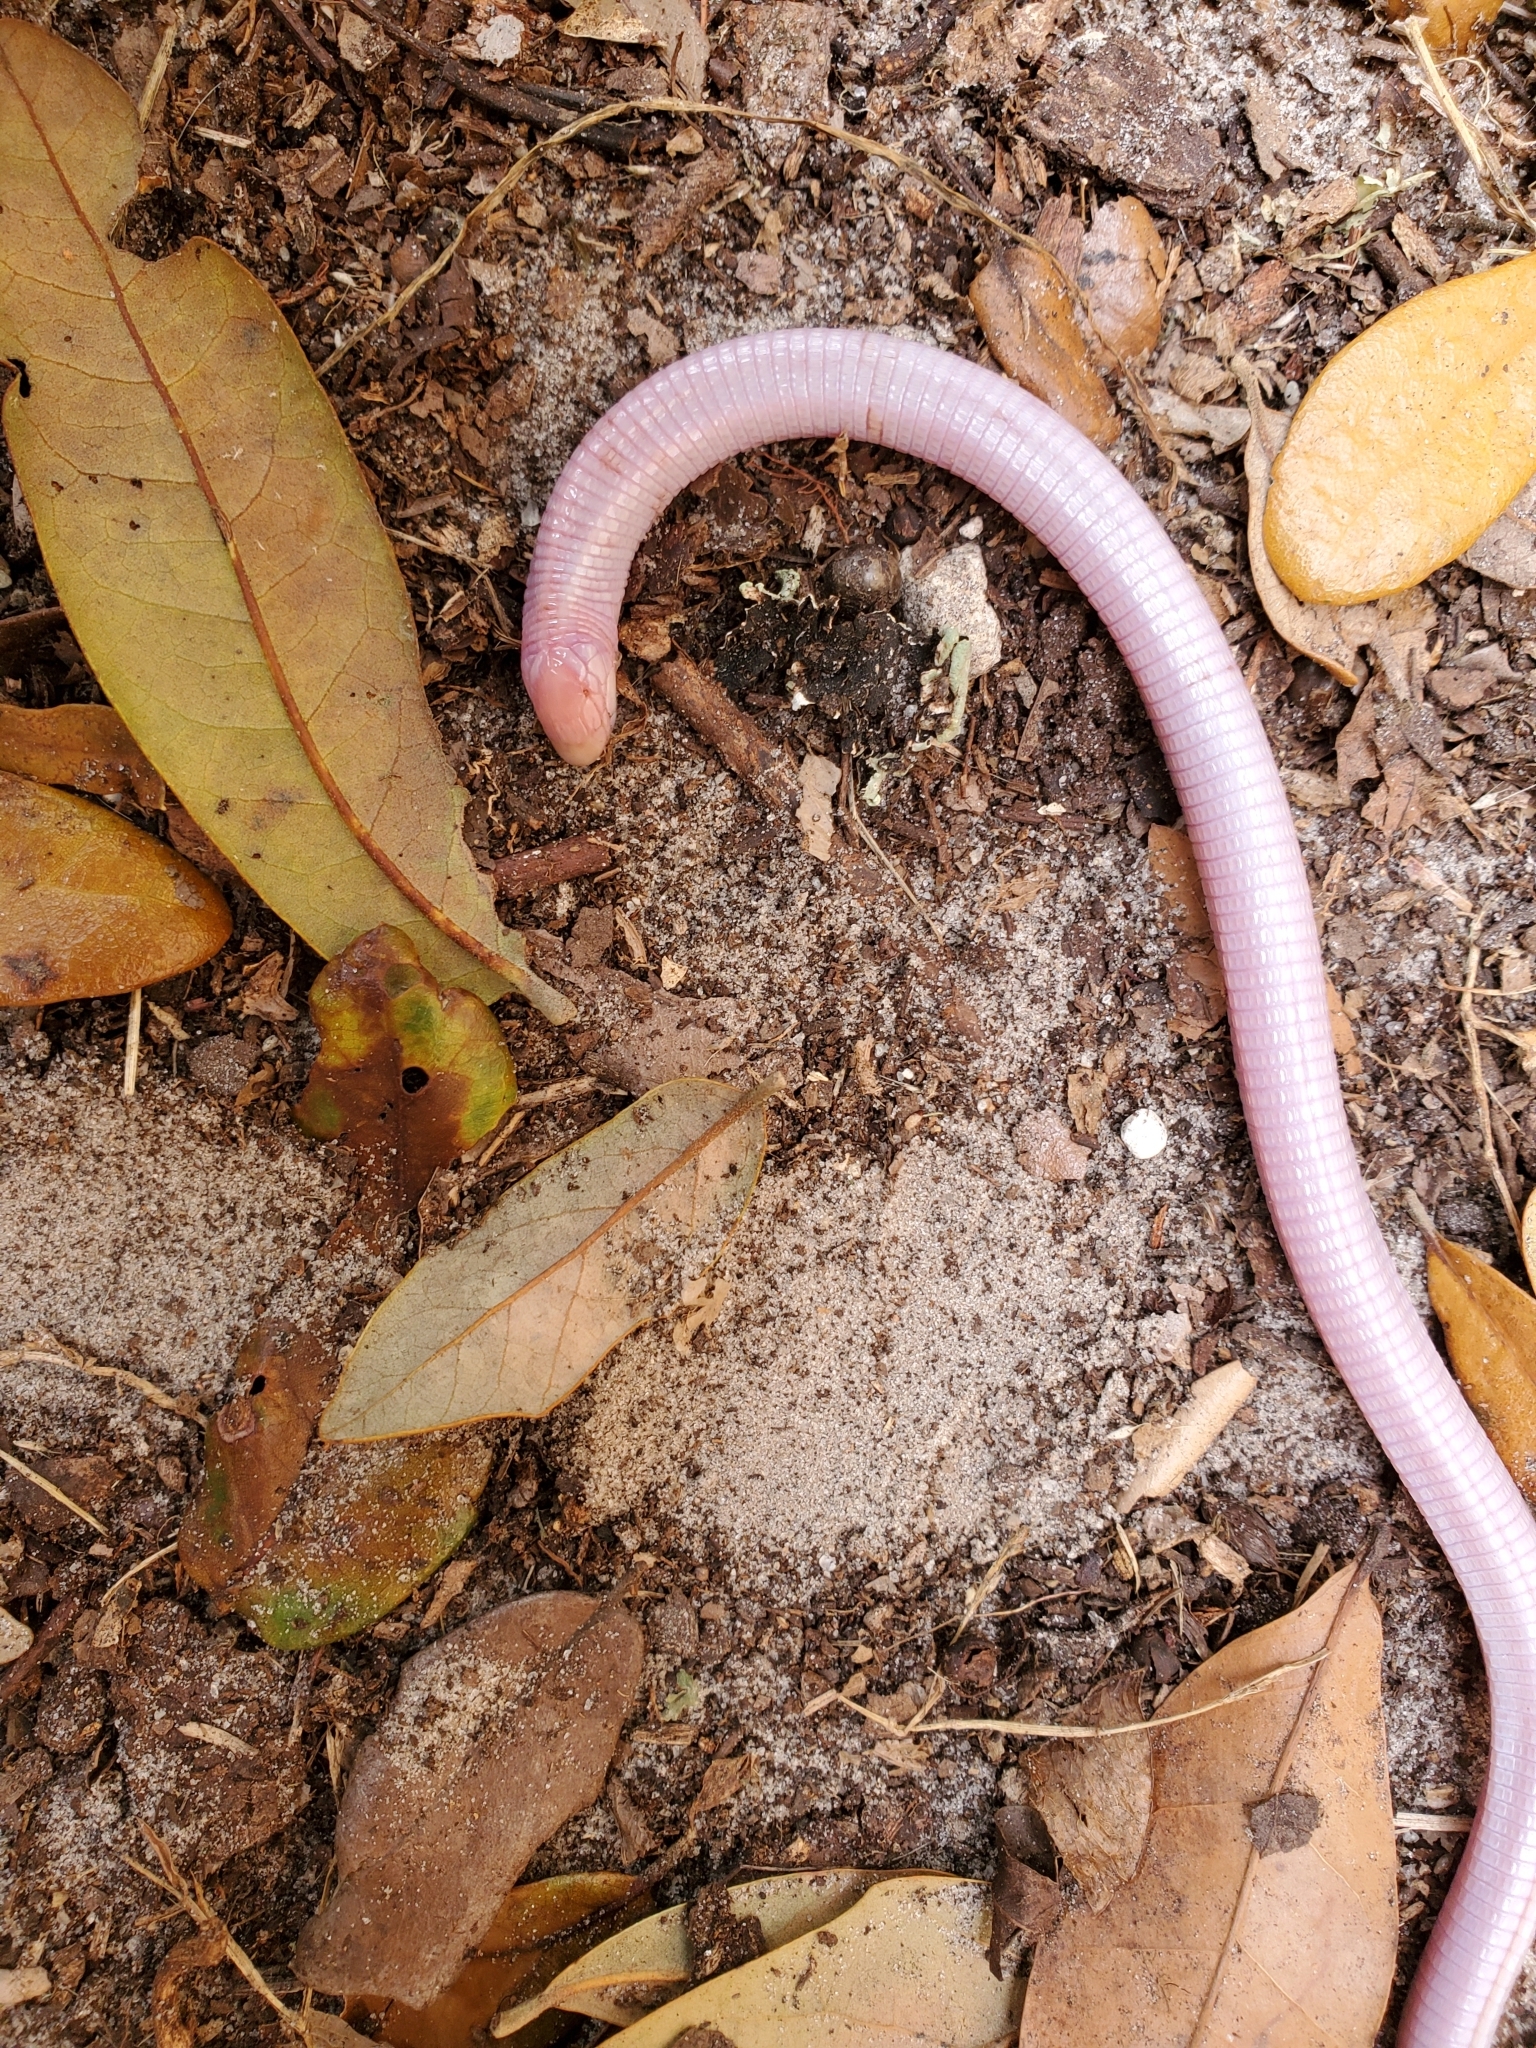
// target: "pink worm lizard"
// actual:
[[972, 422]]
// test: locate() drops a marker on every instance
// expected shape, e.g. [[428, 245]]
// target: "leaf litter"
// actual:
[[994, 1164]]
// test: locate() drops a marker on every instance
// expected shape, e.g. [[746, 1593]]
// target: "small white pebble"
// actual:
[[972, 530], [1144, 1135], [827, 1562]]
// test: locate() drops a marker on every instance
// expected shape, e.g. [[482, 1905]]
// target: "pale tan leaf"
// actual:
[[1120, 270], [1166, 1452], [224, 570], [1264, 1906], [639, 1967], [597, 1240], [1172, 860], [906, 1964], [665, 25], [495, 1737]]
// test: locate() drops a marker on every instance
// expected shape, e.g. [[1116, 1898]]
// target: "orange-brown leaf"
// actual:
[[1454, 25], [89, 904], [1490, 1332], [1027, 313], [1172, 860], [1121, 267], [1265, 1901], [85, 746]]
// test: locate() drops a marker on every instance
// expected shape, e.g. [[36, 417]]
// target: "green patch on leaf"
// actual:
[[408, 1074]]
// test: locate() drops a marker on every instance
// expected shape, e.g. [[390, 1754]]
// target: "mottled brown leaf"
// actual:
[[497, 1734], [86, 746]]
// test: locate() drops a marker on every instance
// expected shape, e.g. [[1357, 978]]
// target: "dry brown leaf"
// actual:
[[495, 1737], [820, 776], [86, 746], [1172, 860], [1167, 1452], [1330, 637], [224, 569], [167, 2010], [1490, 1332], [1019, 891], [1410, 443], [516, 1312], [1264, 1908], [1086, 1091], [1096, 1797], [906, 1963], [1197, 991], [1024, 1901], [668, 26], [670, 203], [1121, 271], [1506, 551], [1045, 1148], [624, 1976], [89, 904], [528, 1943], [1030, 319]]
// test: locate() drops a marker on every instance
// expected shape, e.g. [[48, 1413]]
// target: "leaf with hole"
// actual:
[[408, 1075], [313, 1542], [495, 1737], [1490, 1332], [90, 905], [1264, 1905], [212, 540], [514, 1314], [906, 1962]]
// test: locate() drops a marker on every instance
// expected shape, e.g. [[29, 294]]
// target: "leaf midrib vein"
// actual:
[[407, 888]]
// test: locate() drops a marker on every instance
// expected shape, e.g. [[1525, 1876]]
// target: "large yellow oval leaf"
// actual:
[[1490, 1332], [217, 552], [511, 1317], [1411, 441], [89, 904]]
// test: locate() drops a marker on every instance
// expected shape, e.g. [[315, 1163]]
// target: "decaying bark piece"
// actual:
[[533, 868], [1120, 112], [1167, 1452]]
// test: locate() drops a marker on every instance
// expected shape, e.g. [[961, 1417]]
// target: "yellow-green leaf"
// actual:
[[89, 904], [1490, 1332], [1412, 440], [214, 545], [408, 1073], [509, 1319]]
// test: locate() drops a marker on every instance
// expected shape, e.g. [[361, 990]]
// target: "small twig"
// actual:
[[1489, 173], [57, 1493], [1065, 1732], [193, 1901], [32, 1354], [852, 817], [133, 1571], [131, 1045], [989, 1583], [1469, 1024], [313, 49], [532, 868], [157, 71]]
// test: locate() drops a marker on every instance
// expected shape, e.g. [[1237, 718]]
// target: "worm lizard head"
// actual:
[[570, 678]]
